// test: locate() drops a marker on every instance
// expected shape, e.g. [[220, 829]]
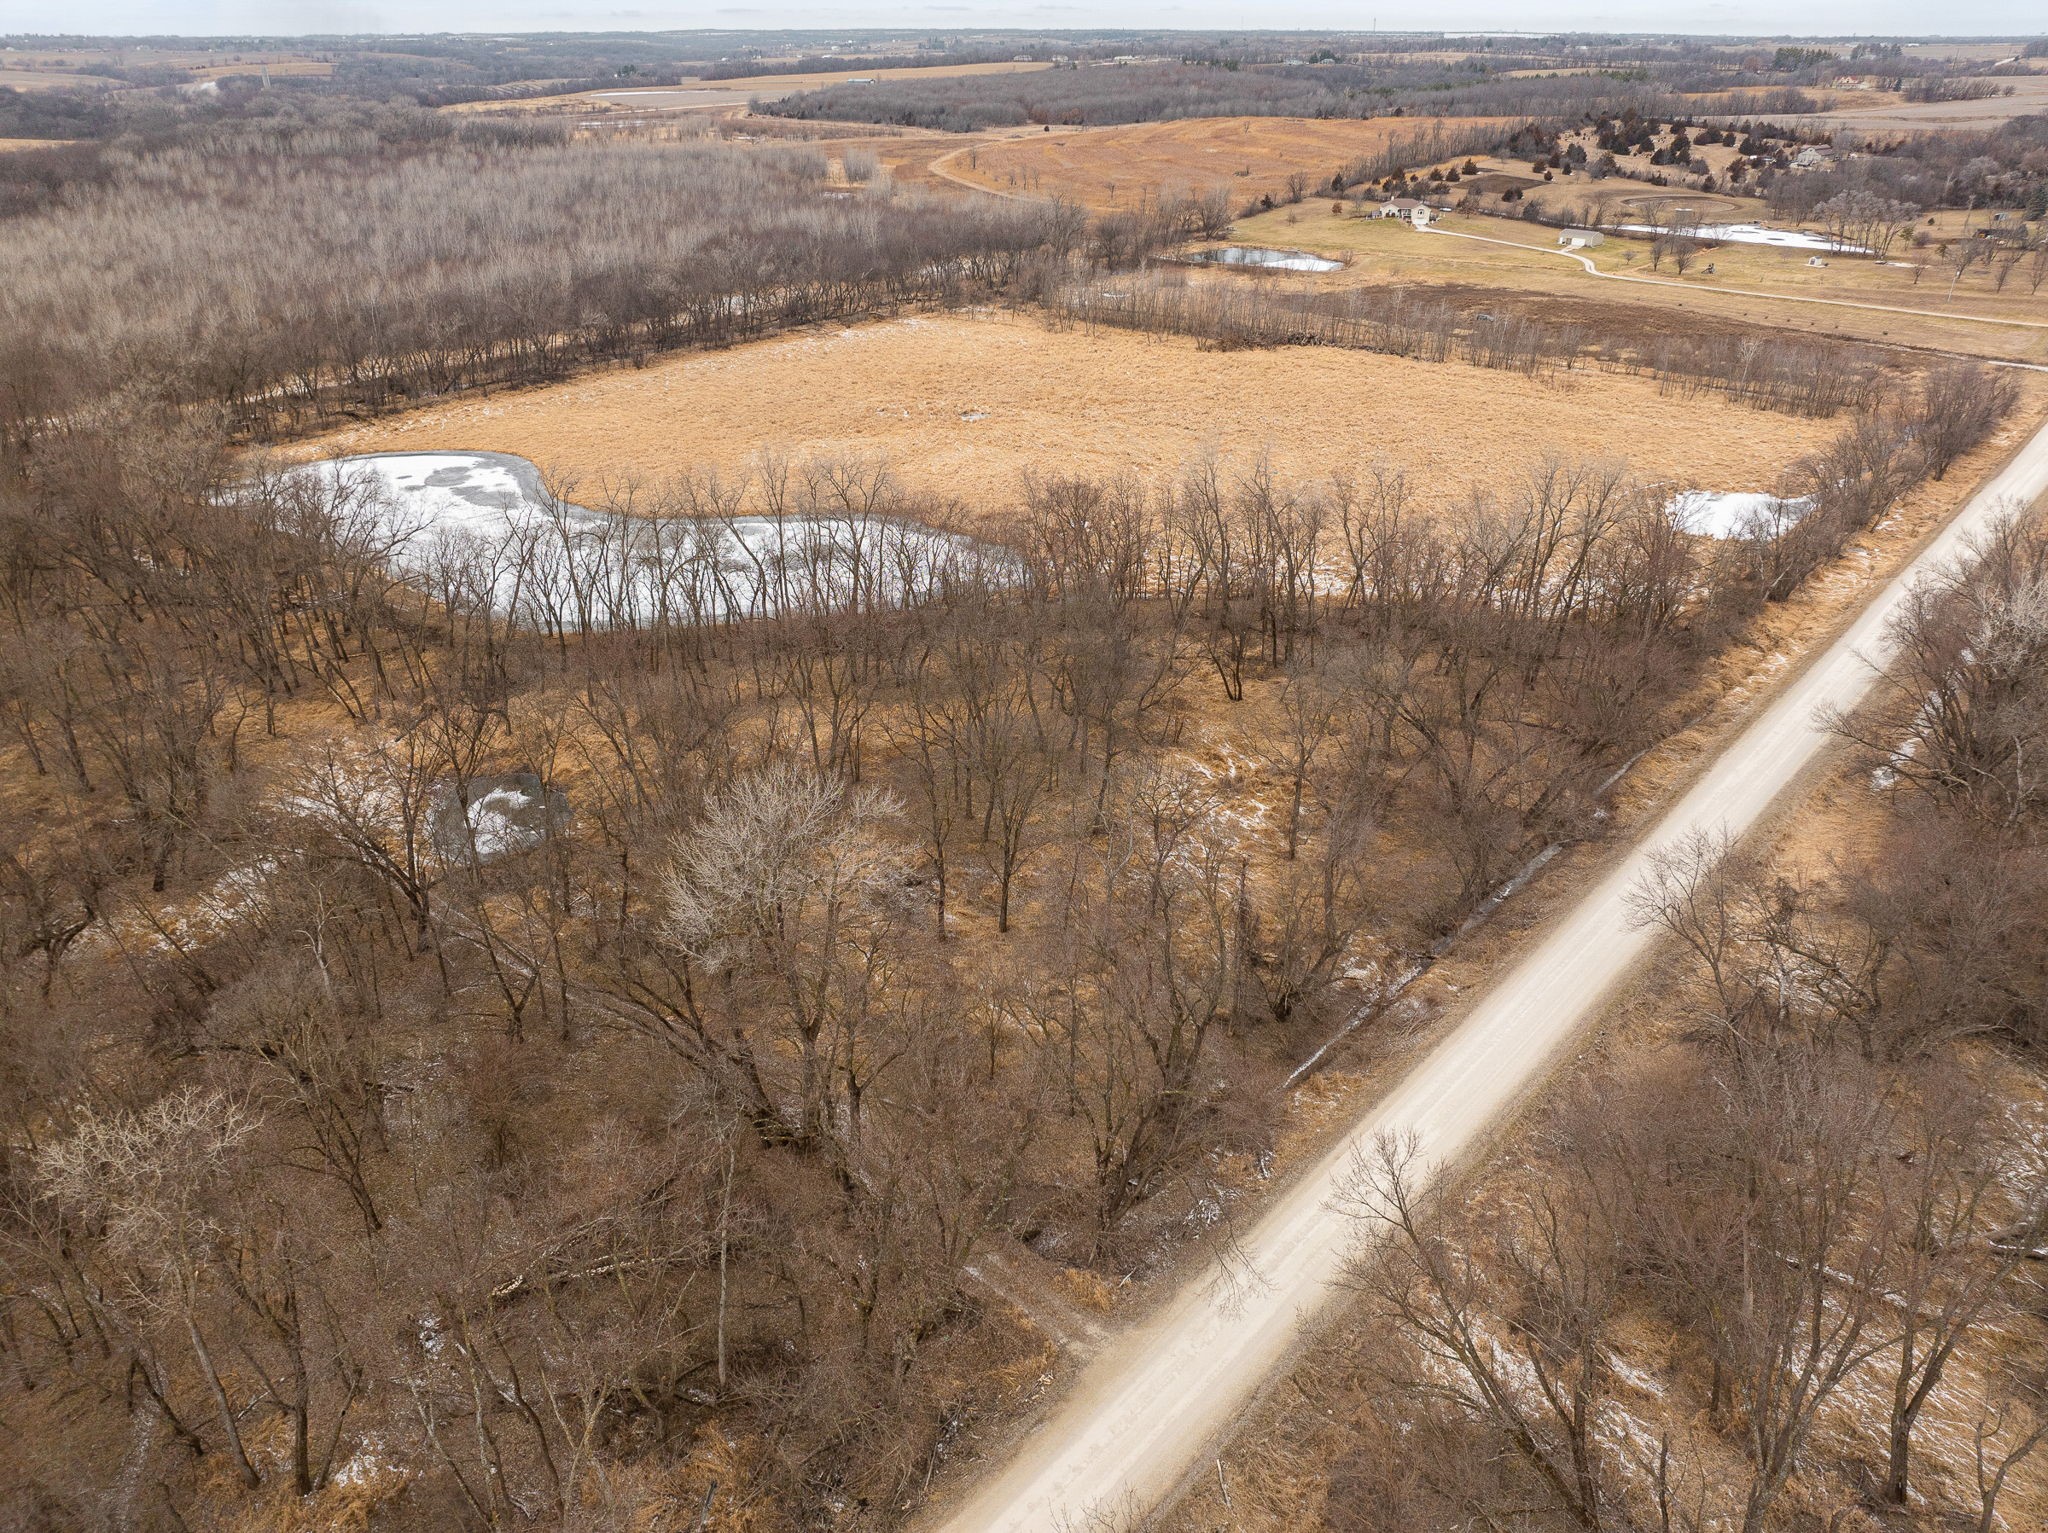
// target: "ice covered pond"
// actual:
[[462, 524], [1269, 260], [1756, 234], [1734, 513], [492, 816]]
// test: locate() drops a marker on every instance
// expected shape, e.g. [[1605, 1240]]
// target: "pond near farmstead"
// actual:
[[1267, 260]]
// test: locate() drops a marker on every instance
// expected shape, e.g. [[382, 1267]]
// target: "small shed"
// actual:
[[1581, 239]]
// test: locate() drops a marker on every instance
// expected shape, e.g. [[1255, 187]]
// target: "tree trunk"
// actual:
[[236, 1451]]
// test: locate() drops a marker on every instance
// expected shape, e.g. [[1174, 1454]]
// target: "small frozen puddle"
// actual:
[[1756, 234], [493, 816], [1269, 260], [461, 524], [1734, 513]]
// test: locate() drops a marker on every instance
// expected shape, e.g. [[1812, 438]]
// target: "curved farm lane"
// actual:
[[1144, 1410], [939, 168], [1739, 292]]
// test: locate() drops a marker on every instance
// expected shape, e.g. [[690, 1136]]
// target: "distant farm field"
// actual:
[[294, 68], [53, 79], [1127, 166], [964, 405], [1524, 258], [736, 92], [1854, 110]]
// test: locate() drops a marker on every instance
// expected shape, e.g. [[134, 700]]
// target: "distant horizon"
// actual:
[[206, 20]]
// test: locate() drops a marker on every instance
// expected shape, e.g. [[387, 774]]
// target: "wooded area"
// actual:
[[368, 264], [881, 935], [1812, 1195], [670, 1004]]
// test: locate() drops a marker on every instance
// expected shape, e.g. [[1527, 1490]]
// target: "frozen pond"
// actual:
[[1756, 234], [1267, 260], [474, 525], [1734, 513]]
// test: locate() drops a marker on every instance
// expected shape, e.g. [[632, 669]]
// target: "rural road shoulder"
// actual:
[[1142, 1412]]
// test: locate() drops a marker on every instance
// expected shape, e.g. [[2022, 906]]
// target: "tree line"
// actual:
[[1795, 377], [1391, 85]]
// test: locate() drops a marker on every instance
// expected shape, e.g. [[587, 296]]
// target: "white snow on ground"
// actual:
[[1635, 1378], [1887, 776], [1903, 754], [191, 923], [367, 1466], [454, 520], [1733, 513], [230, 897], [1756, 234]]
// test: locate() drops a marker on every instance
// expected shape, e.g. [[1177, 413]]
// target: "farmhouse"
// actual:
[[1417, 213]]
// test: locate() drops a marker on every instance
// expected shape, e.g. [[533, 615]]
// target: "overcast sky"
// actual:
[[1748, 17]]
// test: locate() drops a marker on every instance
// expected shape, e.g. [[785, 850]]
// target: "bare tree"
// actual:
[[1959, 405], [1308, 712], [772, 898], [147, 1180], [1943, 1279], [1514, 1332]]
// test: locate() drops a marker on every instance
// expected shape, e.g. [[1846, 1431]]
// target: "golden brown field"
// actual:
[[54, 79], [304, 69], [1857, 109], [694, 93], [1126, 166], [75, 68], [965, 405]]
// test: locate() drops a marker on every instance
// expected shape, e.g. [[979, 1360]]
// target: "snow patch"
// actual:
[[1734, 513], [1755, 234]]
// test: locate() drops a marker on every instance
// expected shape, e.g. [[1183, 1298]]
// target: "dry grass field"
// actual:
[[1620, 197], [698, 94], [285, 68], [1854, 109], [55, 79], [819, 79], [1128, 166], [1968, 53], [965, 405], [77, 68], [1527, 261]]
